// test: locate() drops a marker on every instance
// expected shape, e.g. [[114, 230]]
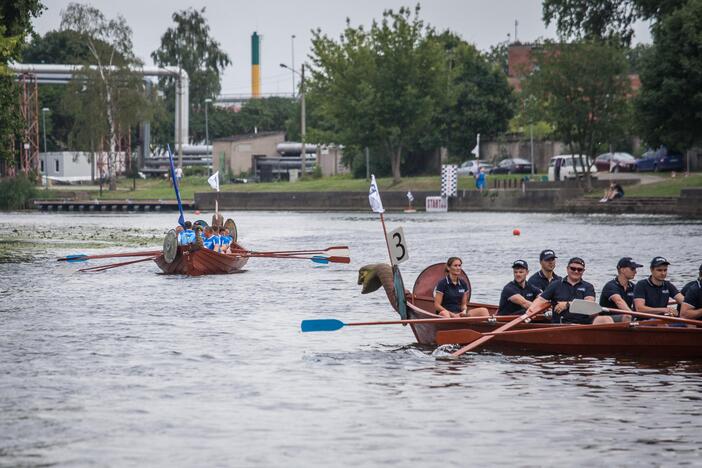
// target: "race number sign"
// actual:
[[437, 204], [398, 246]]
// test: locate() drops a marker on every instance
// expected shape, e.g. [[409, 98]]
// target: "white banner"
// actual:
[[437, 204], [374, 197], [214, 181]]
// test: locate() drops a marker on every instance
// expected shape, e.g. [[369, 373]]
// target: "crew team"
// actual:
[[545, 288], [216, 238]]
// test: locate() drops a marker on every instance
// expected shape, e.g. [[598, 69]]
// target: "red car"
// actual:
[[615, 162]]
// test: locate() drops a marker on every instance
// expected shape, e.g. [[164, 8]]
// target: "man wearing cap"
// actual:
[[517, 295], [651, 295], [560, 292], [692, 304], [619, 292], [542, 278]]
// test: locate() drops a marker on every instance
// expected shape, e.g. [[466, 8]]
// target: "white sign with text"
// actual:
[[437, 204], [398, 246]]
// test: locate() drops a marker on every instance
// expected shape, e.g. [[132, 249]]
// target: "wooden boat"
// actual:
[[540, 336], [195, 261]]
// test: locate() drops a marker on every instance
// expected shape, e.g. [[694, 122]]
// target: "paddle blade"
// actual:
[[321, 325], [74, 258], [579, 306], [337, 259], [320, 259], [463, 336]]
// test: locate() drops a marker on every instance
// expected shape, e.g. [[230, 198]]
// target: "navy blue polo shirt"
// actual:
[[614, 287], [508, 307], [562, 290], [655, 296], [685, 288], [538, 280], [453, 293], [693, 296]]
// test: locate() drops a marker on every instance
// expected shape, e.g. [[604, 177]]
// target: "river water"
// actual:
[[132, 368]]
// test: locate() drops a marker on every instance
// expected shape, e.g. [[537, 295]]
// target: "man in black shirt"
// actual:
[[651, 295], [691, 283], [692, 304], [560, 292], [517, 295], [542, 278], [619, 292]]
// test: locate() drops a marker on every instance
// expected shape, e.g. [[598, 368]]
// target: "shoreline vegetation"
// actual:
[[161, 189]]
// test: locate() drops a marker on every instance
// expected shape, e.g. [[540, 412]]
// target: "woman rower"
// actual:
[[451, 294]]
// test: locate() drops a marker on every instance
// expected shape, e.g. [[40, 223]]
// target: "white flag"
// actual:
[[476, 150], [374, 197], [214, 181], [410, 197]]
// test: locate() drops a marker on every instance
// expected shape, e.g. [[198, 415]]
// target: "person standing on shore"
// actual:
[[651, 295], [542, 278], [619, 292]]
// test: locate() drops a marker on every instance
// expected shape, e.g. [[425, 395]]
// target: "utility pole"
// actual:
[[367, 164], [292, 44], [302, 120], [44, 110]]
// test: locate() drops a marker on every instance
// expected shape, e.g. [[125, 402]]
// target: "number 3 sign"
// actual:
[[398, 247]]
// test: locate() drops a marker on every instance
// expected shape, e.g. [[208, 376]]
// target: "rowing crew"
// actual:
[[216, 238], [650, 295]]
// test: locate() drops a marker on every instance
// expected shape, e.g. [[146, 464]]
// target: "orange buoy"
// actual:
[[197, 212], [516, 232]]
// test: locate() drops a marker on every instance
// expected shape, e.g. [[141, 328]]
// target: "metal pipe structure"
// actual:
[[45, 72]]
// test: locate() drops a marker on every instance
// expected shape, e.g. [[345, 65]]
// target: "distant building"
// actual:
[[237, 154], [77, 166]]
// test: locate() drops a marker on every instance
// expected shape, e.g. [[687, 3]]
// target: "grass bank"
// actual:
[[669, 187]]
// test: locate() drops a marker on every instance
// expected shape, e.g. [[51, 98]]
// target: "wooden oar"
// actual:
[[114, 265], [504, 327], [314, 251], [466, 335], [578, 306], [314, 258], [84, 257], [315, 325]]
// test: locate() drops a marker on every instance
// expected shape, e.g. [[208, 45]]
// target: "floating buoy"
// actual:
[[516, 232], [197, 212]]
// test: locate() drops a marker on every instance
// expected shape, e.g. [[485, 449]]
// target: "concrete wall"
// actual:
[[329, 160], [237, 153]]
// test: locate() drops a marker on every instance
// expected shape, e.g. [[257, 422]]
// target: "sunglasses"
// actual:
[[576, 269]]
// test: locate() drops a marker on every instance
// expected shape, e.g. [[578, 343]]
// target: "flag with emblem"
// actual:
[[374, 197]]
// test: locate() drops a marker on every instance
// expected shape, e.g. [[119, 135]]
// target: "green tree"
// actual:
[[189, 46], [668, 107], [380, 87], [106, 99], [583, 89], [15, 24]]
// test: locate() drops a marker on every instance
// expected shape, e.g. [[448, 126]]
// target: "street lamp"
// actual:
[[292, 45], [303, 154], [44, 110], [207, 126]]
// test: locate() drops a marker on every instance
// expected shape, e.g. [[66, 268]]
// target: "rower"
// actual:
[[517, 295], [208, 242], [188, 234], [451, 294], [560, 292], [225, 239], [216, 239], [651, 295], [545, 276], [692, 304], [619, 292]]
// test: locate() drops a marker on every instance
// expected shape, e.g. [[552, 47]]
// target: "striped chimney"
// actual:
[[255, 65]]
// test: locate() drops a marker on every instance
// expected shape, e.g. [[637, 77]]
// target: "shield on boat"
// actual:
[[170, 246], [200, 222], [231, 225]]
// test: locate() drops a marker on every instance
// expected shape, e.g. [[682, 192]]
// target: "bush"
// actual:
[[16, 192], [189, 171]]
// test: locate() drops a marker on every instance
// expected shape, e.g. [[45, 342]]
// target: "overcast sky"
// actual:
[[481, 22]]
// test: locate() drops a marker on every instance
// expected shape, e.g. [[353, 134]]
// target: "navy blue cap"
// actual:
[[658, 261], [547, 254], [627, 262], [577, 260], [520, 264]]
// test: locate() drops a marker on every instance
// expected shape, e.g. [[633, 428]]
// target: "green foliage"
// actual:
[[16, 192], [668, 107], [188, 45], [583, 92]]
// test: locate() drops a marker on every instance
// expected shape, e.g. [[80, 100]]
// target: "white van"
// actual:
[[561, 167]]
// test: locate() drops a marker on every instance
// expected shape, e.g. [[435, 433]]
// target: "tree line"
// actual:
[[399, 87]]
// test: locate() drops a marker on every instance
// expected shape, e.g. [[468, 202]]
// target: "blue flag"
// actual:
[[181, 220]]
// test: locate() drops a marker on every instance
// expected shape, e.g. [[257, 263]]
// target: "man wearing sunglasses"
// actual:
[[619, 292], [545, 276], [651, 295], [559, 293]]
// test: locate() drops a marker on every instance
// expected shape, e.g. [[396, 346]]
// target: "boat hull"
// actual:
[[195, 261]]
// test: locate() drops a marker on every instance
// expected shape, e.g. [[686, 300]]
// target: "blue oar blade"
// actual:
[[321, 325], [320, 259], [76, 258]]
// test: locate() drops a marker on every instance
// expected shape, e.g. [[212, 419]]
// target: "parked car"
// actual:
[[512, 166], [660, 160], [470, 168], [562, 166], [615, 162]]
